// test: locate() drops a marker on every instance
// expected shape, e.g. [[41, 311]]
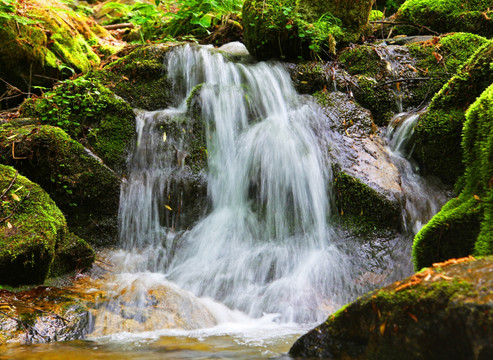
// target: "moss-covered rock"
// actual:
[[91, 114], [292, 29], [32, 232], [390, 79], [464, 225], [438, 133], [85, 190], [42, 41], [444, 16], [139, 77], [440, 313]]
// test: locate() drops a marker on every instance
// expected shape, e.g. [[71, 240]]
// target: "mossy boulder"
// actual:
[[42, 41], [445, 16], [438, 133], [302, 29], [85, 190], [91, 114], [443, 312], [138, 75], [33, 231], [464, 225]]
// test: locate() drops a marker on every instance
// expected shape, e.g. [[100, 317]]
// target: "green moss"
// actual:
[[440, 313], [464, 226], [361, 60], [89, 113], [453, 50], [362, 208], [51, 42], [376, 98], [139, 77], [449, 15], [438, 133], [34, 234], [83, 188]]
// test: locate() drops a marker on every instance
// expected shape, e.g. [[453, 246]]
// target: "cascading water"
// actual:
[[265, 248], [423, 197]]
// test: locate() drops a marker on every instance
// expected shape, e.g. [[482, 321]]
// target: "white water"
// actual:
[[263, 259], [423, 197], [265, 249]]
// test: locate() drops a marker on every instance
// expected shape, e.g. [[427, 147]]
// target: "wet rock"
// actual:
[[85, 190], [442, 312], [366, 182], [33, 232], [45, 314]]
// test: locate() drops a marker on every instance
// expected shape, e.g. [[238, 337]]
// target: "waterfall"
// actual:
[[265, 246], [423, 197]]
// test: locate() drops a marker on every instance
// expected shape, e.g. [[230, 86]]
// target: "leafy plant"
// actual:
[[148, 18]]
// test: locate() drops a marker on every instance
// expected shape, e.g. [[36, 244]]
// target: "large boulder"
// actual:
[[292, 29], [42, 41], [91, 114], [33, 232], [465, 224], [443, 312], [84, 188], [438, 133], [446, 16]]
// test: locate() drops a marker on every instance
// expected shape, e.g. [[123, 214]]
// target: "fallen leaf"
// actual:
[[9, 225], [164, 137], [477, 197], [415, 319], [437, 56], [168, 207], [15, 197], [382, 328]]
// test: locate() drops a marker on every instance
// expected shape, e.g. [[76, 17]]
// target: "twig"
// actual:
[[15, 207], [10, 185], [13, 154], [119, 26]]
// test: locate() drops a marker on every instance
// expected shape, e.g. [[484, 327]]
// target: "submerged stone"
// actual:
[[444, 312]]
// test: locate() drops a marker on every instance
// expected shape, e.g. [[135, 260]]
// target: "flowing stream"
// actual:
[[262, 264]]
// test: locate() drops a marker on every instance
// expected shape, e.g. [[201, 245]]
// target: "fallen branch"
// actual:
[[119, 26], [13, 153]]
